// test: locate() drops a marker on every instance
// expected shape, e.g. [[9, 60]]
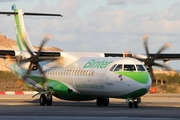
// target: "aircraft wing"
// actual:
[[167, 56], [164, 56], [5, 53], [15, 53]]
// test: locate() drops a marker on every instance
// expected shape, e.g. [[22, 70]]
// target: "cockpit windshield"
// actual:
[[140, 68], [118, 67], [112, 68], [127, 67]]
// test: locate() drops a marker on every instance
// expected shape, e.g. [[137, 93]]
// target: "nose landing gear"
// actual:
[[133, 102]]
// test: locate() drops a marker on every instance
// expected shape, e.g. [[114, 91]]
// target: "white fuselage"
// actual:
[[92, 76]]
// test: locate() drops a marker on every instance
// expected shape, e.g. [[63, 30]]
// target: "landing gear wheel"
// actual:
[[130, 104], [99, 101], [105, 101], [42, 100], [49, 100], [102, 101], [135, 104]]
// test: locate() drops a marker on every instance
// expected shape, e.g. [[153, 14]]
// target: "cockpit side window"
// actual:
[[118, 67], [112, 68], [140, 68], [129, 67]]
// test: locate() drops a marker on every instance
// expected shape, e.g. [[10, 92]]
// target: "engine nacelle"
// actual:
[[140, 56]]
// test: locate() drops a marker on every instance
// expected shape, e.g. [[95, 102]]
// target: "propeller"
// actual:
[[34, 59], [150, 61]]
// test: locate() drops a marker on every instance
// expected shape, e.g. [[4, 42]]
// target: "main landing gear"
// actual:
[[102, 101], [134, 102], [45, 99]]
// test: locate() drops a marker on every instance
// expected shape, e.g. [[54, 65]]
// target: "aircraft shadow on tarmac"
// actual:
[[93, 104], [89, 108]]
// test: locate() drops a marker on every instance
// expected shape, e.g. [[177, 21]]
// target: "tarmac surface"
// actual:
[[152, 107]]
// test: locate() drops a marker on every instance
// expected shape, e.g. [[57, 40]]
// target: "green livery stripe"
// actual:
[[19, 31], [141, 77], [63, 93], [18, 42], [38, 80], [135, 94], [61, 90]]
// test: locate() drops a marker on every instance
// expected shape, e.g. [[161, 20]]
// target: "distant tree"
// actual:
[[161, 78]]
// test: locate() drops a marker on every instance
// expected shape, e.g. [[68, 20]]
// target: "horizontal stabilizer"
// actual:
[[43, 14], [35, 14], [9, 13]]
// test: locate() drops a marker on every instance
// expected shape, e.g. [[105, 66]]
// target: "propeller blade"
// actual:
[[167, 45], [34, 59], [32, 54], [126, 53], [150, 61], [9, 59], [25, 60], [46, 38], [160, 50], [151, 73], [29, 70], [145, 38], [19, 82], [22, 37], [42, 73], [159, 65]]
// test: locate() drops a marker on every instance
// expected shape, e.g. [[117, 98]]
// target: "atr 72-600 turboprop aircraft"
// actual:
[[76, 76]]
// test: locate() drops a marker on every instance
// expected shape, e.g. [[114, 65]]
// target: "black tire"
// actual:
[[138, 100], [49, 100], [130, 104], [135, 104], [99, 101], [42, 100], [105, 101]]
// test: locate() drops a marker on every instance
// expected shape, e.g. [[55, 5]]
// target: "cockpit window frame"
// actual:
[[129, 67], [119, 67], [112, 68], [142, 67]]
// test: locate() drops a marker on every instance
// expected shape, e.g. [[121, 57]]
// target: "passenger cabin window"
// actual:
[[118, 67], [140, 68], [129, 68]]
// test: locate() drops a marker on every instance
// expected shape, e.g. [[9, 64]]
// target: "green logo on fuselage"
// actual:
[[97, 64]]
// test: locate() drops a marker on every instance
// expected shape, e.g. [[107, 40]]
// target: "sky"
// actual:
[[100, 25]]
